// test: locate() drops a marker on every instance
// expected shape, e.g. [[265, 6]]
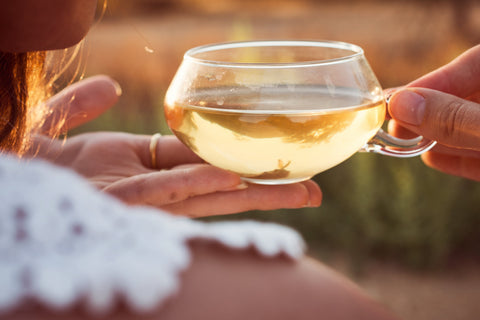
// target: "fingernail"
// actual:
[[407, 106], [118, 88], [307, 205], [241, 186]]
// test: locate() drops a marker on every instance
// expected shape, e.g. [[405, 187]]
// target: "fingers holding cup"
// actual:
[[439, 116]]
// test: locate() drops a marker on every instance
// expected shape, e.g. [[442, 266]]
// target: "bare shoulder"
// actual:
[[241, 284], [227, 284]]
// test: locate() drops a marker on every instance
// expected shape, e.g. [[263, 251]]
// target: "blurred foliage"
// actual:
[[376, 206]]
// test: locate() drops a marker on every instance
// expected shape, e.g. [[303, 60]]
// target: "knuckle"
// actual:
[[452, 120], [178, 188], [186, 178], [137, 193]]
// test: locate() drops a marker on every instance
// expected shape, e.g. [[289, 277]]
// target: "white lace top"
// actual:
[[61, 240]]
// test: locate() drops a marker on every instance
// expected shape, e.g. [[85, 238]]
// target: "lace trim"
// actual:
[[61, 241]]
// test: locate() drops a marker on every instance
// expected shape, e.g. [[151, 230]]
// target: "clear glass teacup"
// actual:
[[279, 112]]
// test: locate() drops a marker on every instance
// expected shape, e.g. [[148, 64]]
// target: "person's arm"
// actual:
[[237, 285], [226, 284], [445, 106]]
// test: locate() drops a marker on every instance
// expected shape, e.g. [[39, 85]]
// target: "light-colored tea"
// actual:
[[287, 134]]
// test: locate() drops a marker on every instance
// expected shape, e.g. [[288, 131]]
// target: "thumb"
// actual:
[[439, 116], [80, 102]]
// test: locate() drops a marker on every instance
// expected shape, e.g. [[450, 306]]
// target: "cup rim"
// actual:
[[356, 51]]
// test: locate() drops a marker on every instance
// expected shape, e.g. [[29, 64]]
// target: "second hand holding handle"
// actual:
[[386, 144]]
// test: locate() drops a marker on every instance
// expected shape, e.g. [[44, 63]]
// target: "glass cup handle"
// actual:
[[386, 144]]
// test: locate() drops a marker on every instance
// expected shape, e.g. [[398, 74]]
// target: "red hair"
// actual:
[[22, 87]]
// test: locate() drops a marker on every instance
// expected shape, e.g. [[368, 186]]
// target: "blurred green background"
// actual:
[[374, 206]]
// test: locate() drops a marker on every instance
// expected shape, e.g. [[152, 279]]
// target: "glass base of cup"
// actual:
[[274, 181]]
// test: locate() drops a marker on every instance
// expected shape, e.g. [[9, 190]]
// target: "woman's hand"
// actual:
[[444, 106], [120, 164]]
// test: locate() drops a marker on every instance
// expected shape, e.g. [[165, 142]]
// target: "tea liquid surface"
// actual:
[[289, 133]]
